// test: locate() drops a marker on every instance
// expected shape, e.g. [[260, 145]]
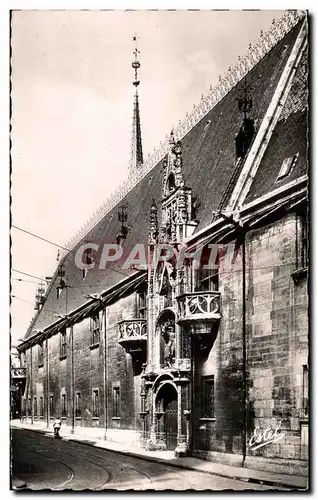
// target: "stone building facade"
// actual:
[[196, 358]]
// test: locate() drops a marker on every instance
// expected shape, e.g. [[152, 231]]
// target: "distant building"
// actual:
[[187, 357], [17, 384]]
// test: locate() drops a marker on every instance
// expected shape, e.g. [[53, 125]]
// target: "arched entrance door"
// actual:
[[168, 401]]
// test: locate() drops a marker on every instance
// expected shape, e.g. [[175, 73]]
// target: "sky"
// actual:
[[72, 102]]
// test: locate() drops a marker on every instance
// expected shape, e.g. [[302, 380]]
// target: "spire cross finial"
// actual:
[[136, 64]]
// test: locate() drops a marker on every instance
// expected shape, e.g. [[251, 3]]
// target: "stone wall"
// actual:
[[276, 350], [89, 374]]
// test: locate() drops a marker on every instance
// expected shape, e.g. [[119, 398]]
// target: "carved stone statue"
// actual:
[[169, 348]]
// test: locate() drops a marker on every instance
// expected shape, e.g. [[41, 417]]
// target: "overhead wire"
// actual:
[[62, 247]]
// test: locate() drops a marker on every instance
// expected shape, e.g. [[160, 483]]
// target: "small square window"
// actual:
[[287, 166]]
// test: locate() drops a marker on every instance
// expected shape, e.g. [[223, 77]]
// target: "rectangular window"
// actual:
[[63, 405], [207, 280], [95, 330], [41, 408], [208, 397], [63, 346], [35, 406], [95, 403], [51, 406], [40, 355], [116, 401], [304, 241], [141, 303], [29, 407], [78, 412], [305, 390]]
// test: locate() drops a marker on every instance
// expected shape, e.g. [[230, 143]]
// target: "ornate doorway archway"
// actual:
[[167, 405]]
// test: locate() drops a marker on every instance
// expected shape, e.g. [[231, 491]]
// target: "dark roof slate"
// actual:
[[208, 161], [289, 138]]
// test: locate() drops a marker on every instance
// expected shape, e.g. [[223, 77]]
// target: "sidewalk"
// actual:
[[94, 437]]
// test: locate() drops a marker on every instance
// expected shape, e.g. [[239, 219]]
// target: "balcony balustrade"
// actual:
[[132, 335], [18, 372], [199, 307]]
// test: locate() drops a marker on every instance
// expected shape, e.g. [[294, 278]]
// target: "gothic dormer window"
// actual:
[[176, 221], [122, 217], [171, 185], [246, 133]]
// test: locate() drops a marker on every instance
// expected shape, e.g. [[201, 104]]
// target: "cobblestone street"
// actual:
[[43, 462]]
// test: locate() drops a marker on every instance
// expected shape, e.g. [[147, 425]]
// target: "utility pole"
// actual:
[[47, 383], [72, 378], [63, 285], [31, 384]]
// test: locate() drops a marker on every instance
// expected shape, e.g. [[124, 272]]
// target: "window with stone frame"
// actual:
[[116, 401], [207, 280], [63, 405], [24, 407], [141, 303], [303, 251], [63, 344], [95, 395], [208, 396], [78, 409], [305, 391], [95, 330], [35, 406], [52, 406], [203, 274], [41, 407], [40, 355]]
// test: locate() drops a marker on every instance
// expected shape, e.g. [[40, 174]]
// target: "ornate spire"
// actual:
[[217, 91], [136, 160]]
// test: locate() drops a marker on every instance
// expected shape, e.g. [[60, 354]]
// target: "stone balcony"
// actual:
[[200, 314], [18, 373], [132, 335], [199, 307]]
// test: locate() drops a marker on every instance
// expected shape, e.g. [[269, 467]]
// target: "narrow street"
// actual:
[[43, 462]]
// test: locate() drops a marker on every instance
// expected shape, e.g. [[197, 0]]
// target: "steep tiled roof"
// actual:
[[208, 162], [288, 139]]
